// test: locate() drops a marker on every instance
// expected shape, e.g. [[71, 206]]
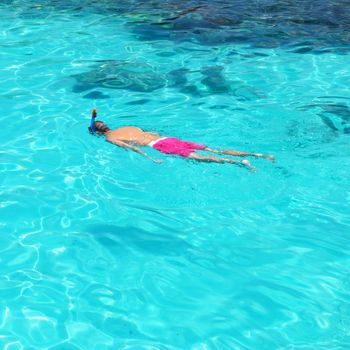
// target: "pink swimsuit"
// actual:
[[171, 145]]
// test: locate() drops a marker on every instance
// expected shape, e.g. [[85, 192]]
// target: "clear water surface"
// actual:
[[103, 249]]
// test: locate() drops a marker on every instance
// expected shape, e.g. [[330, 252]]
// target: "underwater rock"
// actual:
[[211, 81], [259, 24], [329, 123], [96, 95], [303, 49], [206, 81], [336, 116], [120, 75], [215, 81], [178, 77], [270, 25], [193, 90], [339, 109], [138, 102]]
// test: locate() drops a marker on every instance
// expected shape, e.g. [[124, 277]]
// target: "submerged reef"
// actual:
[[119, 75], [141, 77], [301, 26]]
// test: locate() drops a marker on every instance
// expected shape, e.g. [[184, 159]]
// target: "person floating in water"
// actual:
[[130, 137]]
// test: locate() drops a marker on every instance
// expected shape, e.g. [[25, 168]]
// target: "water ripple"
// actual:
[[102, 249]]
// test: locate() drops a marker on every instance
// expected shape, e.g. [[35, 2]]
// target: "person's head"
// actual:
[[101, 127]]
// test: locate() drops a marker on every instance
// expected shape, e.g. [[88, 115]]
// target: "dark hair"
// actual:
[[101, 127]]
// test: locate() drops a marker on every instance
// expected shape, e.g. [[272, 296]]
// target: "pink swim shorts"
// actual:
[[171, 145]]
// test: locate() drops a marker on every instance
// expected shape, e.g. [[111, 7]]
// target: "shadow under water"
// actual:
[[115, 237]]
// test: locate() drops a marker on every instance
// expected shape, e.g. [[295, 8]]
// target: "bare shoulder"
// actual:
[[127, 129], [110, 137]]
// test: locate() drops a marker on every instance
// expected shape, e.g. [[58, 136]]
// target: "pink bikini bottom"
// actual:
[[171, 145]]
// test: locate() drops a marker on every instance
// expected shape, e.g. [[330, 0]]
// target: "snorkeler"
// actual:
[[130, 137]]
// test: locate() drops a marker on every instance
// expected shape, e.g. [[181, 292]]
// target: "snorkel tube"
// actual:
[[92, 129]]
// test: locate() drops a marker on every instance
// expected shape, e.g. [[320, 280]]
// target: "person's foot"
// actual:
[[246, 163], [266, 156], [269, 157]]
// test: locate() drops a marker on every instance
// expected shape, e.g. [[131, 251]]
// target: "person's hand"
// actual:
[[157, 161]]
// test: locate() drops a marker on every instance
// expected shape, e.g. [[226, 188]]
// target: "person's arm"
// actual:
[[133, 148]]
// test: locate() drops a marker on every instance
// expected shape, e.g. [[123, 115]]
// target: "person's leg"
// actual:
[[212, 159], [240, 154]]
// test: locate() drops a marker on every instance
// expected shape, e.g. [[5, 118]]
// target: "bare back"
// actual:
[[132, 135]]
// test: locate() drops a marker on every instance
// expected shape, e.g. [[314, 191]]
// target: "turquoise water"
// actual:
[[102, 249]]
